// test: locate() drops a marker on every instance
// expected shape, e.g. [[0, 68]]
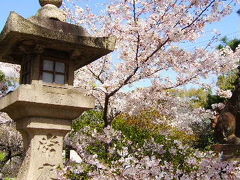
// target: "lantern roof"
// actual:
[[49, 31]]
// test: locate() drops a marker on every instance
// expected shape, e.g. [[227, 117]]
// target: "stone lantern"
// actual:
[[49, 50]]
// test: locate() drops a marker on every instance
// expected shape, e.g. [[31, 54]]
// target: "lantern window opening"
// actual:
[[53, 71]]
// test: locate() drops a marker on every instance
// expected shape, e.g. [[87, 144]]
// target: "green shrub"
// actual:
[[142, 126], [92, 119]]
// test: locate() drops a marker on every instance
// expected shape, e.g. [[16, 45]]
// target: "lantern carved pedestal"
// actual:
[[43, 114]]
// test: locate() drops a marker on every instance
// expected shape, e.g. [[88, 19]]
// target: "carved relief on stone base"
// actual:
[[48, 147], [43, 156]]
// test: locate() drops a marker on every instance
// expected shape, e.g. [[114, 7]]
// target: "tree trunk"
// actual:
[[105, 112]]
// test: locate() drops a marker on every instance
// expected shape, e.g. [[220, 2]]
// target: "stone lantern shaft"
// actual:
[[49, 50]]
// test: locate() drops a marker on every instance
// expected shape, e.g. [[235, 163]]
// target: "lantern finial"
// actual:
[[57, 3]]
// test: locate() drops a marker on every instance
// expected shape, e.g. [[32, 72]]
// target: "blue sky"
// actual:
[[229, 26], [26, 8]]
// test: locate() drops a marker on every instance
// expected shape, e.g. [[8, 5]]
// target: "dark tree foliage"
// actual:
[[233, 44], [213, 99]]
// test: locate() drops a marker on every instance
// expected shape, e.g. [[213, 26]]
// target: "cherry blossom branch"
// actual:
[[199, 15], [96, 76]]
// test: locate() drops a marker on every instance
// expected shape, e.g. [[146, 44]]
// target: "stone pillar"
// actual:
[[43, 114], [43, 146]]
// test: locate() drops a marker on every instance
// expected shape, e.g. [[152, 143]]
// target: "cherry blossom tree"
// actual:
[[149, 35]]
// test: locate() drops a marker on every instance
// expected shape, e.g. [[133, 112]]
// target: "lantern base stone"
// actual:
[[43, 114]]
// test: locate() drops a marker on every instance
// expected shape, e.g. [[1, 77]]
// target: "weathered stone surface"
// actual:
[[52, 12], [57, 3], [45, 100], [43, 154], [51, 34], [43, 114]]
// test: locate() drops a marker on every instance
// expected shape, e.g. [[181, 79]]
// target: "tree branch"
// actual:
[[199, 15], [96, 76]]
